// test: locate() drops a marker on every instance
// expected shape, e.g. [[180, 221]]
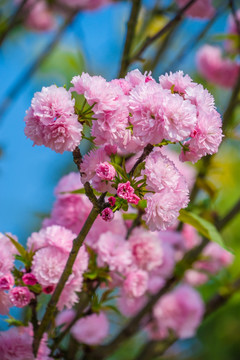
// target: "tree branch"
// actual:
[[146, 151], [161, 32], [22, 81], [131, 27]]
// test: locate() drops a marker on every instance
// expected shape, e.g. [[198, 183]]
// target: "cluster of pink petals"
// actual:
[[96, 169], [92, 329], [8, 251], [136, 283], [206, 136], [53, 245], [51, 120], [20, 296], [216, 69], [16, 344], [180, 311], [202, 9], [126, 191]]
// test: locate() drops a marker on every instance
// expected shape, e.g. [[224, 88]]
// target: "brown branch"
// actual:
[[131, 27], [147, 150], [22, 81], [230, 216], [161, 32]]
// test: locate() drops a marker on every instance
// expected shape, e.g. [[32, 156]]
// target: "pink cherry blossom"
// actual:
[[20, 296], [5, 303], [6, 282], [29, 279], [92, 329], [105, 171], [180, 310], [51, 120], [107, 214], [125, 190], [136, 283], [112, 200], [216, 69]]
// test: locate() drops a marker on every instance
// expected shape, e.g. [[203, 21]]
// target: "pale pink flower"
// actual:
[[29, 279], [69, 297], [216, 69], [8, 251], [20, 296], [130, 306], [160, 171], [195, 278], [135, 77], [114, 251], [68, 183], [92, 329], [51, 120], [16, 344], [165, 269], [202, 9], [5, 303], [176, 81], [39, 16], [146, 249], [136, 283], [125, 190], [214, 259], [175, 240], [65, 317], [155, 283], [6, 282], [163, 208], [190, 236], [180, 311], [107, 214]]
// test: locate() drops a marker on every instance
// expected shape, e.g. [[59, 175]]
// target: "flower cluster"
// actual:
[[216, 67]]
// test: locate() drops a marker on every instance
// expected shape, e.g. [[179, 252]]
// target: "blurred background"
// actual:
[[92, 40]]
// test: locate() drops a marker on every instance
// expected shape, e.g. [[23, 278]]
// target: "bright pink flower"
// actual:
[[125, 190], [51, 120], [213, 67], [29, 279], [180, 310], [112, 200], [105, 171], [92, 329], [136, 283], [6, 282], [20, 296], [146, 249], [48, 289], [202, 9], [107, 214], [114, 251]]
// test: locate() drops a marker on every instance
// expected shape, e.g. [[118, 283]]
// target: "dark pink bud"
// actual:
[[107, 214], [112, 200], [6, 282], [134, 199], [29, 279], [110, 149], [48, 290]]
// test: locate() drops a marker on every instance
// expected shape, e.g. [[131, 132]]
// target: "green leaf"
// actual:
[[120, 171], [18, 246], [130, 216], [14, 322], [203, 226], [139, 168], [111, 307], [221, 37]]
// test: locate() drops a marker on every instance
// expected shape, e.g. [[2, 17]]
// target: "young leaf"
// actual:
[[203, 226], [18, 246]]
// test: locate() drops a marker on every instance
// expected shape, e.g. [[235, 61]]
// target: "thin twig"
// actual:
[[22, 81], [161, 32], [12, 22], [49, 313], [230, 215], [131, 27], [146, 151]]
